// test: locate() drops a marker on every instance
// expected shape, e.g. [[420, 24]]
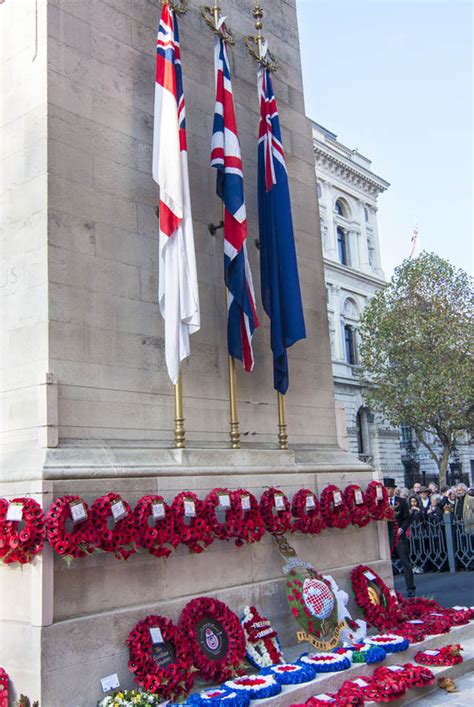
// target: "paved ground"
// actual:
[[463, 698], [448, 589]]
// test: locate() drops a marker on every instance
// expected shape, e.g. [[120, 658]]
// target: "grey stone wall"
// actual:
[[106, 334]]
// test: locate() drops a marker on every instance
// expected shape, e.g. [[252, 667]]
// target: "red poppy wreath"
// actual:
[[306, 512], [275, 510], [121, 538], [160, 658], [448, 655], [219, 500], [215, 637], [82, 539], [249, 526], [161, 536], [376, 497], [355, 501], [373, 596], [21, 545], [333, 507], [191, 523]]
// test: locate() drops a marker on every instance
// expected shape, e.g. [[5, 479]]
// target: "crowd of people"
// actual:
[[426, 505], [431, 502]]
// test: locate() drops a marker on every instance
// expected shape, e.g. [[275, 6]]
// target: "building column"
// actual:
[[364, 248], [332, 253]]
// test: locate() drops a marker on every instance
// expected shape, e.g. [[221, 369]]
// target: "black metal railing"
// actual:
[[439, 545]]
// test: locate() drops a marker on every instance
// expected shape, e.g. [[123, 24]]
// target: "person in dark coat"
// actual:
[[402, 517]]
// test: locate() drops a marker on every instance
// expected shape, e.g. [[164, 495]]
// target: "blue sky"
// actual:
[[394, 79]]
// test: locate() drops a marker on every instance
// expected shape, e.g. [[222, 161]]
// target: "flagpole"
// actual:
[[180, 7], [226, 35], [255, 47], [179, 431]]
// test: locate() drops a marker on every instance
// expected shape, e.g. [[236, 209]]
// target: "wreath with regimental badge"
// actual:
[[215, 637], [374, 598], [160, 658]]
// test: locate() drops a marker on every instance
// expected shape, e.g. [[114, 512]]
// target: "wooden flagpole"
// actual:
[[255, 46]]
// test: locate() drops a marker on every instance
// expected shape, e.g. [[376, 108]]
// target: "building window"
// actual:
[[371, 249], [319, 189], [349, 344], [342, 245], [366, 214], [341, 208], [406, 434]]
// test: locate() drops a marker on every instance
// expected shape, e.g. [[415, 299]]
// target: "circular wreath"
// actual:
[[193, 614], [335, 516], [307, 519], [383, 615], [81, 540], [434, 624], [359, 512], [257, 687], [218, 697], [357, 687], [448, 655], [389, 642], [457, 617], [197, 536], [169, 681], [121, 539], [157, 537], [291, 673], [248, 527], [21, 545], [386, 689], [335, 699], [326, 662], [379, 508], [233, 525], [277, 521]]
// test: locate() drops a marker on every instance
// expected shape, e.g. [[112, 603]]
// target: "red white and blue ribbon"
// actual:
[[226, 158], [178, 286]]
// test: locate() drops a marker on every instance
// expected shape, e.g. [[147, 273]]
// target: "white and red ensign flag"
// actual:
[[178, 286]]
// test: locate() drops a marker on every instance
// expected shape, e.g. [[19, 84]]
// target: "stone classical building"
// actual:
[[348, 191]]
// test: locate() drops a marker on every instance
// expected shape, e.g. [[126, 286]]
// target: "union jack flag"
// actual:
[[178, 287], [281, 295], [226, 158]]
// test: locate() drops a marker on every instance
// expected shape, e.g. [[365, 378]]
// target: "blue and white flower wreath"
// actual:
[[389, 642], [218, 697], [326, 662], [257, 687], [291, 673]]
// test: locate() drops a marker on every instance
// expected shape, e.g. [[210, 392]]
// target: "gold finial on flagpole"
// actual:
[[256, 45], [179, 6], [213, 19], [179, 431], [282, 434]]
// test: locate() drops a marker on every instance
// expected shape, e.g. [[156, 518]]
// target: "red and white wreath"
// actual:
[[306, 511], [82, 538]]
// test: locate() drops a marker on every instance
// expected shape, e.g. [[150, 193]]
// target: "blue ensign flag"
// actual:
[[281, 295]]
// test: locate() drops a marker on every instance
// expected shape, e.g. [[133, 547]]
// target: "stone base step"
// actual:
[[331, 682]]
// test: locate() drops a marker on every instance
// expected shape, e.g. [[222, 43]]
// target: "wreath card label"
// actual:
[[158, 510], [189, 508], [118, 510], [78, 512], [15, 511], [245, 502], [358, 497], [111, 682], [337, 498], [212, 638]]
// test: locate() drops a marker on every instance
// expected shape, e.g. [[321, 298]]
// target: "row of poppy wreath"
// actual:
[[188, 520], [413, 618], [386, 684]]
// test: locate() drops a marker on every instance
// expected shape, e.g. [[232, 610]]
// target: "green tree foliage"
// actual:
[[416, 352]]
